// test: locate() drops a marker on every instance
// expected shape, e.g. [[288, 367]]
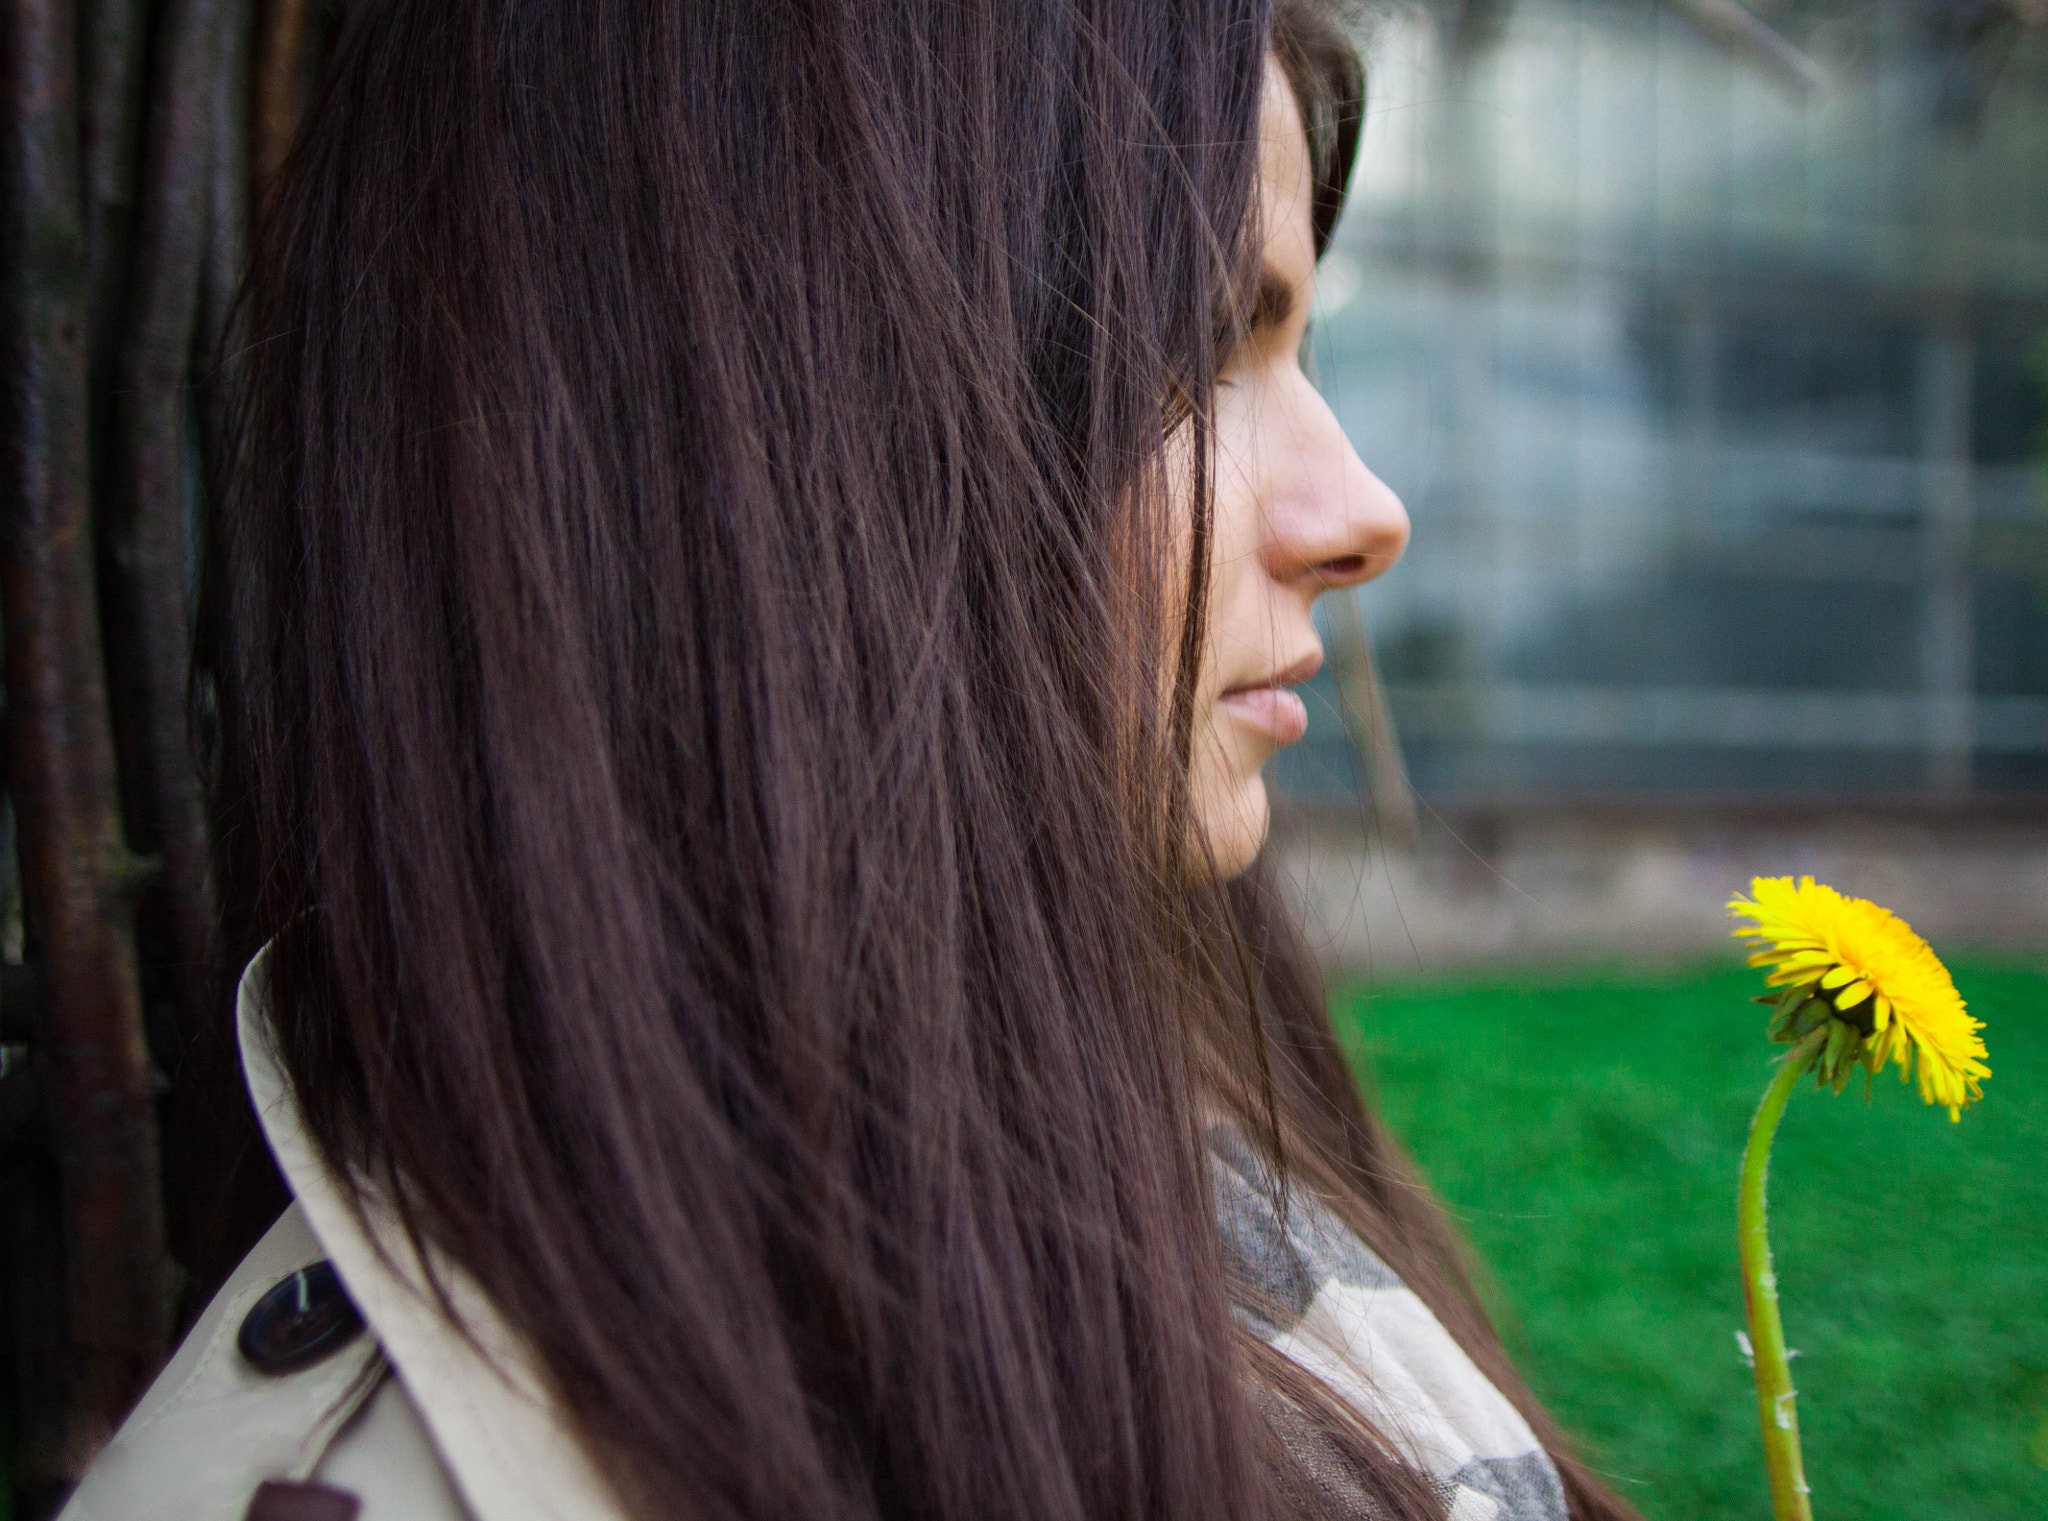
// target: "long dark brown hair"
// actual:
[[680, 639]]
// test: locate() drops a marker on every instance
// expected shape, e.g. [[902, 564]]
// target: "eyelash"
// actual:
[[1264, 328]]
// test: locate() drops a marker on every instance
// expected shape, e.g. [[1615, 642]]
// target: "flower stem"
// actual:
[[1774, 1395]]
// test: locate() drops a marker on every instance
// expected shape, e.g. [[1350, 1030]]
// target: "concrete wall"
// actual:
[[1552, 884]]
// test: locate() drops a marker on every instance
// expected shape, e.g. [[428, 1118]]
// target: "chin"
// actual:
[[1234, 826]]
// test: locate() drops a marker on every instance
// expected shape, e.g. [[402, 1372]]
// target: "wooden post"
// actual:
[[1370, 725], [144, 519], [280, 86], [78, 879]]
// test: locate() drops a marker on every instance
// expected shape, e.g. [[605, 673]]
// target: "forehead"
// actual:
[[1286, 184]]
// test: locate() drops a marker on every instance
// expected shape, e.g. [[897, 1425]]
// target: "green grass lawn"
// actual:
[[1586, 1130]]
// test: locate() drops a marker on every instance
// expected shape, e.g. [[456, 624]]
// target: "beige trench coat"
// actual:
[[411, 1421], [407, 1417]]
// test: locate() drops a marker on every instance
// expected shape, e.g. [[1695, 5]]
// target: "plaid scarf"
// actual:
[[1315, 1292]]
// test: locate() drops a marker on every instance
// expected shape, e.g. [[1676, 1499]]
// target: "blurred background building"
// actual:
[[1709, 351]]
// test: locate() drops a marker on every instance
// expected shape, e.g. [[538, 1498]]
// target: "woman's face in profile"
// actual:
[[1296, 514]]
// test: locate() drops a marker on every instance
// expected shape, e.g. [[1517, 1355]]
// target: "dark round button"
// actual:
[[301, 1320]]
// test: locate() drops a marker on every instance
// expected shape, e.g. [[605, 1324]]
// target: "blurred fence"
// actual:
[[134, 138], [1712, 364]]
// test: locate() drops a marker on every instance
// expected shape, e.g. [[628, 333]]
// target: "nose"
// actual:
[[1330, 522]]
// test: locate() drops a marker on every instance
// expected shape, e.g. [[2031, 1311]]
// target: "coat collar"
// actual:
[[498, 1429]]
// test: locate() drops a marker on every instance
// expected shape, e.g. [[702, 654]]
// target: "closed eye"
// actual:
[[1268, 304], [1272, 301]]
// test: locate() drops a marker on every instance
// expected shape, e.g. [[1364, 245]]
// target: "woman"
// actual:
[[770, 545]]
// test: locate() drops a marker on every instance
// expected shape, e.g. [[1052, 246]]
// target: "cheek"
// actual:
[[1169, 538], [1229, 803], [1238, 611], [1227, 787]]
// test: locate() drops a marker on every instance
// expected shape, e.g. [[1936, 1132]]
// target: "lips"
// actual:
[[1269, 707], [1274, 711]]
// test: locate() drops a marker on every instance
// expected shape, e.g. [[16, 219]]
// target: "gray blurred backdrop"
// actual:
[[1708, 348]]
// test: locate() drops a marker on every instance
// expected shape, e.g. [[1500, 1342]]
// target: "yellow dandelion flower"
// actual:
[[1880, 987]]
